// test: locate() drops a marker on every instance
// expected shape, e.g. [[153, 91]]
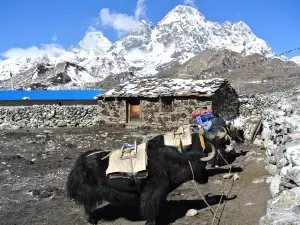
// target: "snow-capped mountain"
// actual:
[[111, 63], [48, 76], [296, 59], [17, 65], [180, 35], [92, 45], [47, 54], [183, 33]]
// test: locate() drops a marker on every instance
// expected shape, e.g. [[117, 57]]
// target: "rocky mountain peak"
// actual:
[[94, 40], [183, 10], [227, 24], [242, 28], [182, 13], [296, 60]]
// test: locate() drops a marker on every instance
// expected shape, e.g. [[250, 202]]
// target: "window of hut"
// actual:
[[167, 105]]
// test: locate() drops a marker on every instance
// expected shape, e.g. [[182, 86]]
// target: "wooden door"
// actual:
[[133, 111]]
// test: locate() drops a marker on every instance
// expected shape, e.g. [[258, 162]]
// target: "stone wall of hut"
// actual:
[[226, 102], [113, 111], [153, 115]]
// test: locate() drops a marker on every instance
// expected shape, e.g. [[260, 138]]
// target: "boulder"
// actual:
[[275, 183], [282, 163], [293, 155], [293, 174], [283, 209], [191, 212], [272, 169]]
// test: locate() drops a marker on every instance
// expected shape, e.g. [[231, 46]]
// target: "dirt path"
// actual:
[[34, 166]]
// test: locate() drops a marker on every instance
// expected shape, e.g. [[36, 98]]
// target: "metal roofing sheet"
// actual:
[[50, 94]]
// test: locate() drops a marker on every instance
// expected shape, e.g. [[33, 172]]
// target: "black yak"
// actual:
[[221, 134], [167, 168]]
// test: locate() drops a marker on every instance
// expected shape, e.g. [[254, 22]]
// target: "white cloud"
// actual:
[[190, 2], [92, 28], [20, 52], [122, 22], [54, 38], [52, 51], [140, 11]]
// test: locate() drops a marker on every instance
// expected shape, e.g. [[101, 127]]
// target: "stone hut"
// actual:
[[166, 102]]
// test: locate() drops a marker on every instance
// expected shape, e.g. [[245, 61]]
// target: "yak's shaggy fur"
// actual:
[[167, 168]]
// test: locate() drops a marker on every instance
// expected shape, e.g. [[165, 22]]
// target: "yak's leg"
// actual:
[[91, 218], [152, 197]]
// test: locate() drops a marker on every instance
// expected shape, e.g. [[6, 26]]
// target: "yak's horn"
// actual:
[[224, 129], [228, 137], [240, 138], [222, 134], [212, 154]]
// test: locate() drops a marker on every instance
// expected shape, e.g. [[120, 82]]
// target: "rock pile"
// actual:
[[283, 209], [251, 110], [255, 104], [280, 137], [250, 106], [49, 116]]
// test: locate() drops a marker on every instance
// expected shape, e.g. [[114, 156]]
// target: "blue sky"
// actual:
[[26, 23]]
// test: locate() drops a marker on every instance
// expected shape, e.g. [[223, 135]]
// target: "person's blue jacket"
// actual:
[[204, 119]]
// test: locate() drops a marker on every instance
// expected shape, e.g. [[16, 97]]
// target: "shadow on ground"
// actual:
[[216, 171], [173, 210]]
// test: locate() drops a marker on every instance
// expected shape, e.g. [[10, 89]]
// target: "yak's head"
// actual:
[[199, 146], [236, 132]]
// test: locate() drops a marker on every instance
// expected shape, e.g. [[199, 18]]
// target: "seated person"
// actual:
[[204, 120]]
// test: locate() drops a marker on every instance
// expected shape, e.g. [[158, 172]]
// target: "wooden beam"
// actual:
[[257, 128]]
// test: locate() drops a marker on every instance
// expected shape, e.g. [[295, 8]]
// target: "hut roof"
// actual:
[[154, 87]]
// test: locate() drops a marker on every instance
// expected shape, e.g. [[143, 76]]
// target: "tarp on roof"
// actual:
[[49, 94]]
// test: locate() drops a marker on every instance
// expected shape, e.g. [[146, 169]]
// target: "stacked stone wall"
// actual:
[[50, 116]]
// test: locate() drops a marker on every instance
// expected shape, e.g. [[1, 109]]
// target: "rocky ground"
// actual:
[[34, 166]]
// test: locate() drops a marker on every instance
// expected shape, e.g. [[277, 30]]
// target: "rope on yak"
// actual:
[[94, 153], [197, 188], [230, 167], [194, 182], [224, 186], [132, 171]]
